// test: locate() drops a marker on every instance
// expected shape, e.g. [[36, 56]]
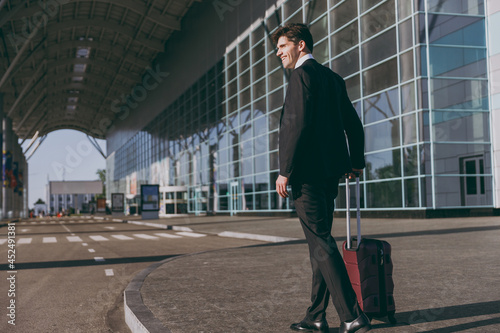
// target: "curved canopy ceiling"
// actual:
[[66, 64]]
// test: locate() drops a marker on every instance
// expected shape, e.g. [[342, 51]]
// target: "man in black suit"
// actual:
[[316, 118]]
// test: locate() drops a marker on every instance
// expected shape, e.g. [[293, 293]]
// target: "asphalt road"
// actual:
[[70, 273]]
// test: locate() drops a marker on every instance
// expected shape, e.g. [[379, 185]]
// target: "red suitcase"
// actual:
[[369, 265]]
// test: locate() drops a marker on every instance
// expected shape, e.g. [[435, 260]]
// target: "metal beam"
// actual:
[[40, 97], [25, 89]]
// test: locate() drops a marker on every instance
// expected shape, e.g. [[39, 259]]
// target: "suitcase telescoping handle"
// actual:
[[348, 212]]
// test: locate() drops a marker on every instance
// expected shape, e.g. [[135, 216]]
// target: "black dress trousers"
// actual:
[[314, 204]]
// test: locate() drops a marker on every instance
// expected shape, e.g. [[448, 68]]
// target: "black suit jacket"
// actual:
[[316, 118]]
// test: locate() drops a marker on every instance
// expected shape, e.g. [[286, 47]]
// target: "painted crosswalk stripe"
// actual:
[[121, 237], [144, 236], [52, 222], [24, 240], [49, 240], [91, 250], [99, 259], [74, 239], [98, 238], [3, 241], [164, 234], [190, 234], [109, 272]]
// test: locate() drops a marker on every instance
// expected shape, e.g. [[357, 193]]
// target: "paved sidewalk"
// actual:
[[446, 273]]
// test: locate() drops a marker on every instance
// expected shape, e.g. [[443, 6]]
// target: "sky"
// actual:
[[63, 155]]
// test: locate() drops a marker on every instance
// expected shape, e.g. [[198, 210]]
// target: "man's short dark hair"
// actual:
[[295, 32]]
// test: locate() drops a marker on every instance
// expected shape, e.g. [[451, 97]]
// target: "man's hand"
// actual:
[[281, 184], [359, 172]]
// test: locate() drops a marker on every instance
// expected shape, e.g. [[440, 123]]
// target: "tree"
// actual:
[[40, 202], [102, 177]]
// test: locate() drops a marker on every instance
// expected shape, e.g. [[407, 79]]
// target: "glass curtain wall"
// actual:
[[416, 73]]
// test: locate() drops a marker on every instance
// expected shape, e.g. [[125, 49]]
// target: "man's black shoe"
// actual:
[[310, 326], [359, 325]]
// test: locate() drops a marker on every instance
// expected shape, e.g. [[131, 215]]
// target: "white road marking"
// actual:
[[3, 241], [43, 222], [144, 236], [98, 238], [24, 240], [163, 234], [49, 240], [91, 250], [121, 237], [74, 239], [110, 228], [190, 234], [99, 259], [85, 244], [24, 230], [109, 272]]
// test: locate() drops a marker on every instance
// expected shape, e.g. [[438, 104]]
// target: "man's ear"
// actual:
[[302, 46]]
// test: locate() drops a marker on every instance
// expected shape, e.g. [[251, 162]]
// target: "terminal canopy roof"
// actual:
[[68, 64]]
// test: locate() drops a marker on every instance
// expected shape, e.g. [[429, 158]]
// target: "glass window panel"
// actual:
[[276, 99], [259, 51], [273, 161], [246, 167], [262, 201], [245, 97], [261, 145], [410, 161], [231, 72], [232, 104], [259, 126], [382, 136], [408, 97], [247, 149], [262, 182], [259, 89], [313, 12], [344, 39], [406, 66], [457, 30], [379, 48], [261, 163], [378, 19], [259, 107], [274, 120], [380, 77], [297, 18], [411, 193], [244, 80], [423, 126], [275, 79], [409, 124], [383, 106], [353, 88], [319, 29], [383, 165], [343, 14], [459, 94], [259, 70], [461, 126], [475, 7], [404, 10], [347, 63], [244, 62], [457, 62], [290, 7], [447, 156], [321, 52], [245, 118], [273, 140], [384, 194]]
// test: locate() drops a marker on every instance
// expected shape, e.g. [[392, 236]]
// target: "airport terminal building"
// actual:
[[423, 75]]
